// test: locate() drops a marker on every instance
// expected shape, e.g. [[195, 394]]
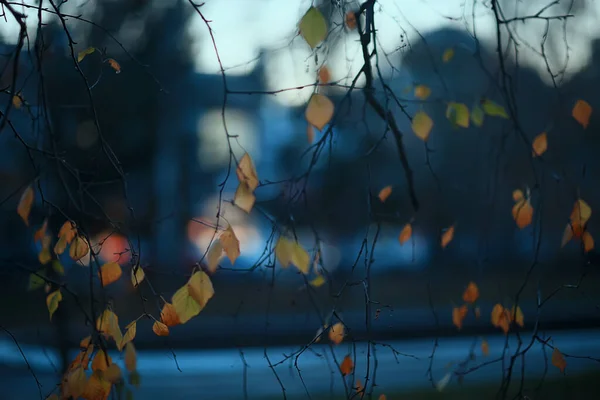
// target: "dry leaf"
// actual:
[[359, 386], [160, 329], [128, 336], [337, 333], [588, 241], [41, 233], [350, 20], [114, 65], [231, 244], [582, 111], [168, 315], [324, 75], [85, 342], [25, 204], [246, 173], [522, 213], [405, 234], [319, 111], [185, 305], [101, 361], [501, 318], [108, 324], [558, 360], [110, 273], [447, 236], [540, 144], [137, 275], [567, 235], [518, 316], [458, 315], [422, 92], [471, 293], [113, 374], [385, 193], [130, 357], [244, 198], [68, 231], [200, 288], [81, 55], [347, 366], [75, 383], [97, 388], [79, 248], [422, 125], [52, 301], [17, 101]]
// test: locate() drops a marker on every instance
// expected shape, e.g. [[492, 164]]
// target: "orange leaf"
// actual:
[[97, 388], [25, 204], [540, 144], [67, 231], [109, 273], [246, 173], [485, 348], [501, 318], [382, 397], [405, 234], [336, 333], [522, 213], [85, 342], [350, 20], [471, 293], [385, 193], [582, 111], [324, 75], [319, 111], [114, 65], [101, 361], [231, 244], [580, 215], [169, 316], [79, 248], [359, 386], [41, 233], [244, 198], [518, 195], [160, 329], [422, 92], [447, 236], [588, 241], [347, 366], [558, 360], [458, 315], [518, 317]]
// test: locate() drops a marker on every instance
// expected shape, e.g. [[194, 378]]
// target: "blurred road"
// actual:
[[221, 373]]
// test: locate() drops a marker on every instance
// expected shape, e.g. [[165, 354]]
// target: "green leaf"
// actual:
[[493, 109], [458, 114], [313, 27], [477, 116], [58, 267], [35, 281], [185, 306]]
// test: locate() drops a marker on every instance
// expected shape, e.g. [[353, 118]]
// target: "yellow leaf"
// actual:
[[422, 92], [319, 111], [160, 329], [17, 101], [313, 27], [81, 55], [540, 144], [108, 324], [52, 301], [518, 317], [101, 361], [244, 198], [76, 381], [215, 252], [324, 75], [200, 288], [458, 114], [558, 360], [231, 244], [422, 125], [114, 65], [25, 204], [471, 293], [79, 248], [185, 306], [347, 365], [493, 109], [85, 342], [67, 231], [128, 336], [485, 348], [458, 315], [448, 54], [130, 357], [300, 258], [283, 251], [137, 275], [310, 133], [337, 333], [588, 241], [113, 373], [318, 281], [168, 315], [447, 236], [522, 213], [518, 195], [405, 234], [477, 116], [246, 172], [581, 213], [97, 388], [582, 111], [109, 273], [385, 193]]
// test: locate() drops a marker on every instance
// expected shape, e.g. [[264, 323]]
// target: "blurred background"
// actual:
[[147, 188]]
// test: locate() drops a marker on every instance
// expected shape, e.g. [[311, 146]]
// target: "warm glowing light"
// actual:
[[114, 247]]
